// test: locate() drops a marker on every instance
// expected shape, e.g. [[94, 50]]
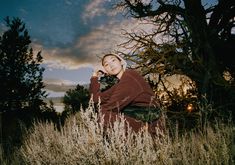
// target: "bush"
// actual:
[[82, 140]]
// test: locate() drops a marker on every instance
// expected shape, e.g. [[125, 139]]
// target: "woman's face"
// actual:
[[113, 65]]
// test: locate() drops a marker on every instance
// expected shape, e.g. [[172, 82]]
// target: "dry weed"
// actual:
[[82, 140]]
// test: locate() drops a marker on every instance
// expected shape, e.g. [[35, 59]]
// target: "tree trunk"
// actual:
[[202, 49]]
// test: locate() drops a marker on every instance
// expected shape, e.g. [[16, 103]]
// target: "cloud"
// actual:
[[59, 82], [93, 9], [107, 38], [83, 52], [97, 8], [103, 39], [100, 38], [86, 49], [63, 58]]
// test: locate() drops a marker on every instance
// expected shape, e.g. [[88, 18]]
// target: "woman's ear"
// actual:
[[123, 63]]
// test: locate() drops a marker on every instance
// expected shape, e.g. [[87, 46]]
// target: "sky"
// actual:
[[71, 34]]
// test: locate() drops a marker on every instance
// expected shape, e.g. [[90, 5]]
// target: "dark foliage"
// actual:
[[76, 98], [20, 71], [21, 97], [15, 126]]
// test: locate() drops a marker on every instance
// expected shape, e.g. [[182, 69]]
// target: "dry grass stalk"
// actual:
[[84, 141]]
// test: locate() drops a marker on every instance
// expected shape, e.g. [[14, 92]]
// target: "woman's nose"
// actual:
[[111, 65]]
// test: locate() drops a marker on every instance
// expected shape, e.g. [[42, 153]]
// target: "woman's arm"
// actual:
[[94, 88], [96, 93], [123, 94]]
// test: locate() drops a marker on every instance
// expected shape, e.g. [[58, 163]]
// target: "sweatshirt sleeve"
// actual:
[[95, 89], [96, 93], [125, 92]]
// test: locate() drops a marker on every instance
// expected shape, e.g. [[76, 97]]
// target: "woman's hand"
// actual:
[[97, 73]]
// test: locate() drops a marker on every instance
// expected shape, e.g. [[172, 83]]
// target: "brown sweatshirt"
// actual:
[[131, 90]]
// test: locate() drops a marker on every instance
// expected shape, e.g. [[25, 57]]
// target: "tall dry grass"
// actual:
[[82, 140]]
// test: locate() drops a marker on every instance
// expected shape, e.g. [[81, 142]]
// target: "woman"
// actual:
[[130, 95]]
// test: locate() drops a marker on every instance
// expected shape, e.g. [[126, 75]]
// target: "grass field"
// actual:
[[82, 140]]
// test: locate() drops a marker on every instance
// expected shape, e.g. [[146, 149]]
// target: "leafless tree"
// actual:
[[200, 42]]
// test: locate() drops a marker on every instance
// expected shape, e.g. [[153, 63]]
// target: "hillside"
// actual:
[[62, 87]]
